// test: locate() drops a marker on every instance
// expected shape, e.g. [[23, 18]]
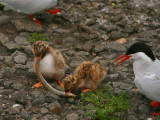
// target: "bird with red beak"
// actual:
[[146, 70], [31, 6]]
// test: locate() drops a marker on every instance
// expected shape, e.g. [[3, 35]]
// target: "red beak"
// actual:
[[126, 57]]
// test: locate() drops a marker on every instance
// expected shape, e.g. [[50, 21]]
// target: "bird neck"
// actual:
[[140, 66]]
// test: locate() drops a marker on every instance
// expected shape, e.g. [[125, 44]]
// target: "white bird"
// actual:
[[146, 70], [31, 6]]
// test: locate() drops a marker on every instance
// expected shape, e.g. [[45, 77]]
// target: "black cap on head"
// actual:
[[141, 47]]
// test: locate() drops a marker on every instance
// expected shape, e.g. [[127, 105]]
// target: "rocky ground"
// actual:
[[97, 30]]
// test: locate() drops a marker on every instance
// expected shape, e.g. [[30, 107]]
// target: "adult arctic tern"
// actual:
[[146, 70], [31, 6]]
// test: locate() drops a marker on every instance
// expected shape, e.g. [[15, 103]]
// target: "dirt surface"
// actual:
[[85, 30]]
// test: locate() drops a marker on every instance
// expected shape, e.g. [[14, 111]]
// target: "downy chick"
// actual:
[[51, 62], [88, 75]]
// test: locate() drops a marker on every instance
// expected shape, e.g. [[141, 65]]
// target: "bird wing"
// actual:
[[29, 6], [149, 85]]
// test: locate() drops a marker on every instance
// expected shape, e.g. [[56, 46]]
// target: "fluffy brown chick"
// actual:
[[87, 75], [51, 62]]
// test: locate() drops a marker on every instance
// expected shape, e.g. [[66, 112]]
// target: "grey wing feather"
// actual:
[[149, 85]]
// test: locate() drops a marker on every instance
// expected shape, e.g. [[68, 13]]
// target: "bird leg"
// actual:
[[57, 11], [60, 83], [155, 104], [34, 19], [155, 113], [87, 90], [69, 91], [37, 85]]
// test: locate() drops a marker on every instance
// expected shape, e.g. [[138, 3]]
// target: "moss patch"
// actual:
[[102, 104], [37, 36]]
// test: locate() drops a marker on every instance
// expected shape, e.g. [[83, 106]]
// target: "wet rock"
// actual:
[[8, 44], [38, 101], [19, 57], [50, 117], [100, 48], [87, 46], [21, 41], [27, 49], [4, 19], [132, 117], [82, 54], [116, 46], [44, 110], [26, 25], [8, 59], [117, 18], [7, 84], [26, 115], [1, 73], [20, 97], [1, 58], [37, 94], [122, 23], [126, 86], [52, 95], [75, 61], [144, 109], [114, 76], [72, 116], [71, 100], [114, 35], [18, 86], [6, 91], [31, 73], [148, 34], [8, 71], [128, 29], [109, 28], [20, 66], [55, 107]]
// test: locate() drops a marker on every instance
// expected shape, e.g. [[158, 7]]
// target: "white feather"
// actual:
[[29, 6], [147, 75], [47, 65]]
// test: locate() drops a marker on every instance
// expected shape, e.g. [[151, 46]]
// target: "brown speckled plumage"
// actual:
[[42, 49], [87, 75]]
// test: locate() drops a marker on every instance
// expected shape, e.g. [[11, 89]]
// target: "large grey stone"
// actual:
[[114, 35], [19, 57], [72, 116], [21, 41], [117, 46]]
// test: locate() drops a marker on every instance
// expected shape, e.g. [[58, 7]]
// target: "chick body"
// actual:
[[51, 62], [87, 75]]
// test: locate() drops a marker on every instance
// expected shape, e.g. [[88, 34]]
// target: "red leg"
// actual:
[[87, 90], [34, 19], [53, 11], [37, 85], [60, 83], [155, 113], [155, 104], [69, 91]]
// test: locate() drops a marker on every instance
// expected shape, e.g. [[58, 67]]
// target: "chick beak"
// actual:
[[125, 57]]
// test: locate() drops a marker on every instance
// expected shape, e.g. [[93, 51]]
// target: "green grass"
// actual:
[[37, 36], [104, 103]]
